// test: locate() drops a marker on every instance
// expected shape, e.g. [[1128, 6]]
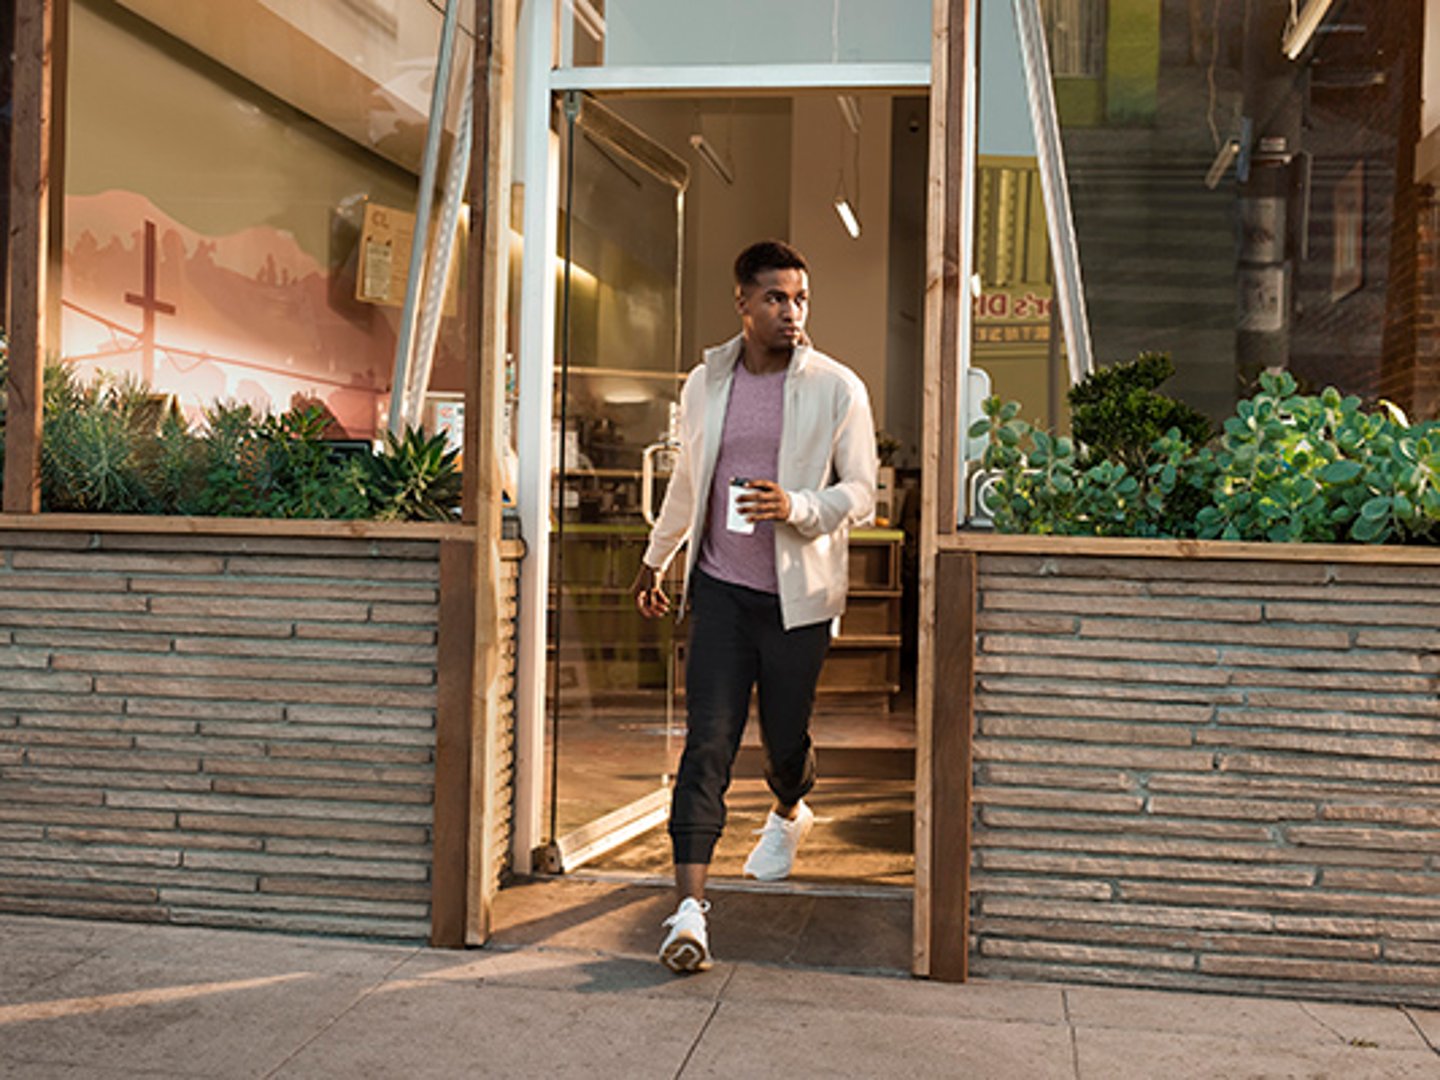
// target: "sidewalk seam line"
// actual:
[[368, 993], [1074, 1033], [1339, 1035], [89, 956], [714, 1009], [1405, 1009]]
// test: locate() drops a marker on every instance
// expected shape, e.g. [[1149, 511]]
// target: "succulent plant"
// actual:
[[415, 478]]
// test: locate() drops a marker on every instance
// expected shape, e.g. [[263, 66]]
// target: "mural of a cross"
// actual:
[[150, 304]]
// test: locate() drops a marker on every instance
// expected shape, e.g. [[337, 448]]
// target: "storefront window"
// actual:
[[1017, 335], [240, 182], [1299, 253], [1247, 186]]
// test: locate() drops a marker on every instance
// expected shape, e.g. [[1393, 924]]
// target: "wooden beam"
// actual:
[[29, 249], [59, 111], [953, 713], [1129, 547], [472, 658], [455, 779], [953, 291], [944, 293], [495, 26]]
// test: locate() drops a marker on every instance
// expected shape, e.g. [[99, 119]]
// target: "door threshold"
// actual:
[[746, 885]]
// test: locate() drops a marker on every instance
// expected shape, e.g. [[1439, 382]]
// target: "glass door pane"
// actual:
[[611, 679]]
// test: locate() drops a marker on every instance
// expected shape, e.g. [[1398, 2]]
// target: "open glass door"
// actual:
[[611, 673]]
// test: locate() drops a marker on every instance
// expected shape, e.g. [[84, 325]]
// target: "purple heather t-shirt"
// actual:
[[749, 448]]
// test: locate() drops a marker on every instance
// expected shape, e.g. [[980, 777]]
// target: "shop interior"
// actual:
[[657, 197]]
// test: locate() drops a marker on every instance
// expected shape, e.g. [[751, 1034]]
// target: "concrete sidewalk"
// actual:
[[88, 999]]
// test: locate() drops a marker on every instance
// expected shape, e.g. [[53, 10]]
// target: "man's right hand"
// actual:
[[649, 595]]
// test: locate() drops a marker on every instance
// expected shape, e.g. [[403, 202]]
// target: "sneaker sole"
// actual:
[[684, 956]]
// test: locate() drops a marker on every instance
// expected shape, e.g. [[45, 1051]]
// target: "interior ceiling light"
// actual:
[[1301, 26], [848, 213], [1223, 160], [708, 154], [847, 216]]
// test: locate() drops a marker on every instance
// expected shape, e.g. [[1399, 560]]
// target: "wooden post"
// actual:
[[950, 766], [59, 112], [472, 611], [456, 779], [29, 249], [944, 293]]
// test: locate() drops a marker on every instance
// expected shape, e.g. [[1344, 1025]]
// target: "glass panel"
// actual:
[[618, 354], [240, 180], [1306, 250], [1017, 338], [653, 33]]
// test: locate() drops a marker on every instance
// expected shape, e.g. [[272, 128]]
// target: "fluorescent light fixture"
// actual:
[[1223, 160], [590, 20], [711, 158], [627, 395], [1302, 28], [850, 110], [847, 217]]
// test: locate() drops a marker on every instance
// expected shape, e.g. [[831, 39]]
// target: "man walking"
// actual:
[[776, 463]]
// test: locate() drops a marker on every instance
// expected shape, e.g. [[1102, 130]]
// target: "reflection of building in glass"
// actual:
[[1315, 250], [1012, 314]]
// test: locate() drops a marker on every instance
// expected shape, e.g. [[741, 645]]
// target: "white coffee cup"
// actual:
[[735, 521]]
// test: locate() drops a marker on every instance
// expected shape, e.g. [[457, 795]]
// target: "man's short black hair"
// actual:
[[767, 255]]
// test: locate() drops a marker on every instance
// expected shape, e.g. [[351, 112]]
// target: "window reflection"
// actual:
[[1304, 253], [239, 180]]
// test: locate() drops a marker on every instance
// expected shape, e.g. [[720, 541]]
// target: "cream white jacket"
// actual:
[[827, 466]]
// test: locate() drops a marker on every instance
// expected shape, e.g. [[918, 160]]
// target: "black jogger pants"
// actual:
[[737, 642]]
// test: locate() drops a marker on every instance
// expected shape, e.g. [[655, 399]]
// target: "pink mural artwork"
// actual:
[[246, 317]]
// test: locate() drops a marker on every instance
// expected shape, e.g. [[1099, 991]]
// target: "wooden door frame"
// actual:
[[472, 670], [946, 631]]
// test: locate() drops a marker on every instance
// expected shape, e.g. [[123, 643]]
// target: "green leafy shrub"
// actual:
[[175, 468], [1117, 412], [1286, 467], [112, 446], [228, 461], [298, 476], [1319, 468], [93, 455]]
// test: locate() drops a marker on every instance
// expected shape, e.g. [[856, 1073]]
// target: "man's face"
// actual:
[[773, 308]]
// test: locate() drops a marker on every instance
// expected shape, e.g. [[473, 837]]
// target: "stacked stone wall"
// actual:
[[225, 730], [1215, 774]]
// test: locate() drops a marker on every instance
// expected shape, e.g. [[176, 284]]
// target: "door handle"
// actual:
[[647, 478], [669, 442]]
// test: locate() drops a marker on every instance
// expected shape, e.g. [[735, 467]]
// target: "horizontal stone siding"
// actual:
[[227, 730], [1210, 774]]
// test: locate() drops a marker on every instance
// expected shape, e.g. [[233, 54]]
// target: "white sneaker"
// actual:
[[687, 947], [774, 854]]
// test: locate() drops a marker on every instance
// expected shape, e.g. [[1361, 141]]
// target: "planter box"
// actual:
[[220, 722], [1207, 766]]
